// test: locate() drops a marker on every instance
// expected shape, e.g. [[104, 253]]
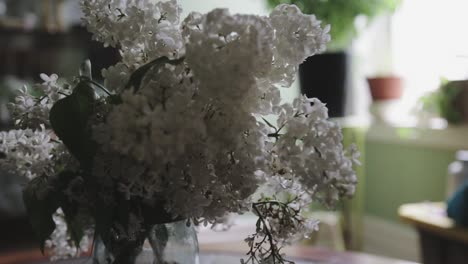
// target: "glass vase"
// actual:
[[171, 243]]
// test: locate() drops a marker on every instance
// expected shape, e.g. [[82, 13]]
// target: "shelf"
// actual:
[[434, 134]]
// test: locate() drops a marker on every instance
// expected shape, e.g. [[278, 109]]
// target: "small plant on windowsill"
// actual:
[[446, 102], [384, 84]]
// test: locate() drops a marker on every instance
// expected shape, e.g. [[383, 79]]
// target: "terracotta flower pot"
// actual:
[[385, 88]]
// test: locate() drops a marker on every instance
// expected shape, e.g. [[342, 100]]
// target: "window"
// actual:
[[423, 41]]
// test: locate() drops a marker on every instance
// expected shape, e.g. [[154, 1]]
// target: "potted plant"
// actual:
[[448, 102], [324, 75], [384, 85]]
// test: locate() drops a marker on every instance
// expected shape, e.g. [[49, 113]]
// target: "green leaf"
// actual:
[[70, 209], [137, 76], [447, 102], [41, 204], [114, 99], [69, 117], [85, 98], [104, 215], [75, 229], [104, 212], [162, 235], [123, 212]]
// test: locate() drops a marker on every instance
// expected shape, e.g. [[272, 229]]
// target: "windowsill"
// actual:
[[434, 133]]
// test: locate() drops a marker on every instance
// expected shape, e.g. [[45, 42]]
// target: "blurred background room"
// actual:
[[395, 77]]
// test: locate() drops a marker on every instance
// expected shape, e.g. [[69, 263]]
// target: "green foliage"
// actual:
[[40, 207], [340, 14], [103, 218], [42, 197], [447, 108], [114, 99], [162, 234], [70, 209], [75, 228], [69, 117], [137, 76], [442, 102]]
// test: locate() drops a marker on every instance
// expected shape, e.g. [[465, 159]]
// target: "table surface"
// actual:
[[204, 259], [229, 254], [226, 248], [432, 217]]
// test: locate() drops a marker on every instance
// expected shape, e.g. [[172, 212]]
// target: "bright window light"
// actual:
[[430, 41]]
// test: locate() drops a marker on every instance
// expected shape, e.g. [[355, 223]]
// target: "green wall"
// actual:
[[403, 173], [353, 210]]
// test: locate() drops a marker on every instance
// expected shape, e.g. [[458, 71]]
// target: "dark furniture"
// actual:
[[441, 241], [25, 54]]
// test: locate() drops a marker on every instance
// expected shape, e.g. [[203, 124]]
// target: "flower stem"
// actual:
[[97, 84]]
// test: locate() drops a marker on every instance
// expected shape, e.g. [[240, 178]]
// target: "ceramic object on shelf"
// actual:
[[457, 172], [386, 110]]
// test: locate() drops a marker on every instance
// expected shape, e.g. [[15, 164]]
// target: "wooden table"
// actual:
[[442, 242], [227, 248], [229, 254]]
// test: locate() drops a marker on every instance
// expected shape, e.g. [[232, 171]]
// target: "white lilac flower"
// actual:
[[26, 153], [207, 139], [143, 30], [116, 76], [31, 111], [240, 43], [312, 152], [298, 36]]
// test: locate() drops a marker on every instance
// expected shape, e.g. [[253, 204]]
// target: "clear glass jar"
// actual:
[[172, 243]]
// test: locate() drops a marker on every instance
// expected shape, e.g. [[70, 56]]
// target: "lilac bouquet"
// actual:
[[189, 125]]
